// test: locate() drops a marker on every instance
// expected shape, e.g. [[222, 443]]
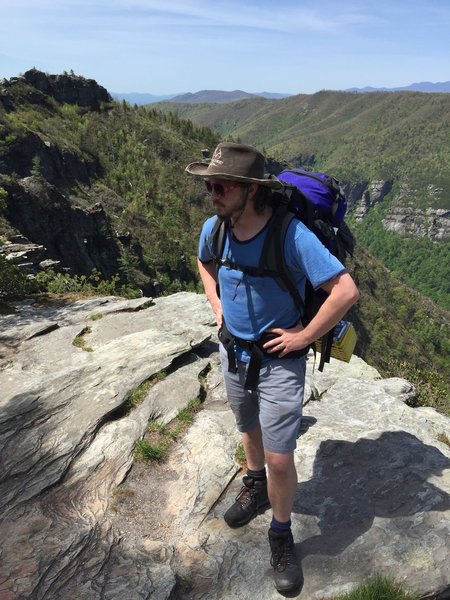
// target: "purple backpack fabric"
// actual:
[[322, 191]]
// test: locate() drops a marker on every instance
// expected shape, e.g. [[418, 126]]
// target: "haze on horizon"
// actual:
[[156, 47]]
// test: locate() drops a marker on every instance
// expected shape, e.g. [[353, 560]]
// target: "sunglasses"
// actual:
[[220, 188]]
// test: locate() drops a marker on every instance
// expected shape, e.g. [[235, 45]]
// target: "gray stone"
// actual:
[[405, 216], [373, 494]]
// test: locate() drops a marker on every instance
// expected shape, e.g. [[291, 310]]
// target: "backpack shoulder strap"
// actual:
[[217, 239], [273, 261]]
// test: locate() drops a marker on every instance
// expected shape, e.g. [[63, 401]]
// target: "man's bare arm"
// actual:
[[208, 275]]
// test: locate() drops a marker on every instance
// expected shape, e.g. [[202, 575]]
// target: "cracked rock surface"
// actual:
[[80, 520]]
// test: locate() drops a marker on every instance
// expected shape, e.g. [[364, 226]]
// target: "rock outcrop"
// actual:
[[79, 520], [54, 164], [67, 88], [403, 216], [364, 196], [430, 222], [81, 239]]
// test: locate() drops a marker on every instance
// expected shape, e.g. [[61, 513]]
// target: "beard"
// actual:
[[227, 211]]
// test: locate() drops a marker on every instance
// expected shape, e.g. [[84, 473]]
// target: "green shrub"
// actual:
[[146, 451], [14, 284], [93, 284]]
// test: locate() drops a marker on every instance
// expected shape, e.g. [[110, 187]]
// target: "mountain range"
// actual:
[[215, 96], [221, 96], [423, 86]]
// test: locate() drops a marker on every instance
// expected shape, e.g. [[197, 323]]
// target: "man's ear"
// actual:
[[252, 189]]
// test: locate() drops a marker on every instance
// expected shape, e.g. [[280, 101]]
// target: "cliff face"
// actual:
[[79, 519], [402, 217], [29, 152], [82, 239], [108, 176]]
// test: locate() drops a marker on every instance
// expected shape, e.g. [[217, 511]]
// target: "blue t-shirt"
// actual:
[[253, 304]]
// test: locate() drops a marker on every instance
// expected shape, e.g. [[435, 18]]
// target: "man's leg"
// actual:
[[287, 572], [252, 498], [281, 399], [254, 449], [282, 484]]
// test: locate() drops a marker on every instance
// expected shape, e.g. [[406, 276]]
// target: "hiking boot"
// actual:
[[287, 571], [251, 500]]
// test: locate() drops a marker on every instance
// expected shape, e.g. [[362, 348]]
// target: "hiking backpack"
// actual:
[[317, 200]]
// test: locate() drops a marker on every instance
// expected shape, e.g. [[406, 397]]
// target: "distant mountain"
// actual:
[[221, 97], [272, 95], [424, 86], [208, 96], [215, 96], [138, 98]]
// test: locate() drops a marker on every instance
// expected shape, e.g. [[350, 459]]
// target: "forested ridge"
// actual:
[[355, 136]]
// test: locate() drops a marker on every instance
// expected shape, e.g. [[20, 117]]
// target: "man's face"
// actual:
[[229, 197]]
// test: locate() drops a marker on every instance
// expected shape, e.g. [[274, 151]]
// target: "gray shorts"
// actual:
[[276, 405]]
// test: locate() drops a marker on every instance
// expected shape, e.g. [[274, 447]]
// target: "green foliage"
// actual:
[[239, 455], [80, 341], [14, 283], [418, 262], [186, 415], [160, 437], [431, 387], [96, 316], [90, 285], [138, 395], [147, 451], [36, 166], [378, 588], [398, 327]]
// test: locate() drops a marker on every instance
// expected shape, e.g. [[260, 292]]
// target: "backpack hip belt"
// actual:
[[257, 353]]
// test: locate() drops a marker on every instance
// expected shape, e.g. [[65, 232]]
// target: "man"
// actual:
[[256, 307]]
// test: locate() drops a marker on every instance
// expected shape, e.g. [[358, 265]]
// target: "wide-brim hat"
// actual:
[[235, 162]]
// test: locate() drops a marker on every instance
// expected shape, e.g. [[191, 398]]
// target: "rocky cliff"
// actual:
[[403, 216], [80, 238], [80, 520], [67, 88]]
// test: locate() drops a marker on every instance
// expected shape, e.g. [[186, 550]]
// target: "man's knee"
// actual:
[[279, 464]]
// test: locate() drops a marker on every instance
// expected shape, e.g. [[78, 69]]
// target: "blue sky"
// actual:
[[177, 46]]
